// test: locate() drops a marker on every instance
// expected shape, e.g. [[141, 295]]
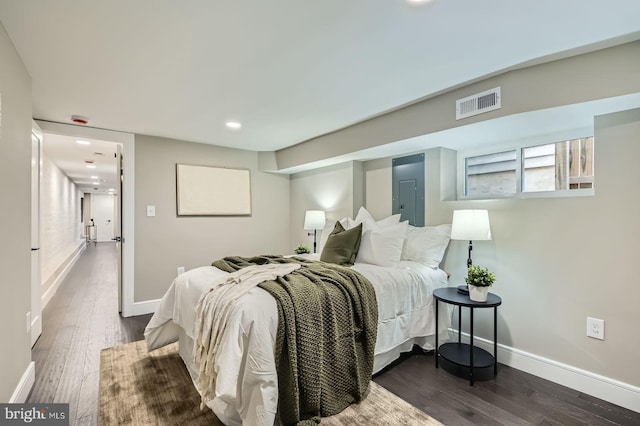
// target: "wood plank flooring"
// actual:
[[512, 398], [79, 321], [82, 318]]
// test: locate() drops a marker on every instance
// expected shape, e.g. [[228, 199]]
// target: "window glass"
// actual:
[[491, 174], [558, 166]]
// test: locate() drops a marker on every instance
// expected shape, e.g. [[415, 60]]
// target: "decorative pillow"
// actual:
[[427, 245], [328, 228], [382, 245], [342, 245]]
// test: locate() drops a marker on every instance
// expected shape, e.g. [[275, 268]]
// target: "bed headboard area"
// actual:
[[383, 242]]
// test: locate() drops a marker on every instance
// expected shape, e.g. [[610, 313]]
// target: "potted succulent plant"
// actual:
[[302, 249], [479, 280]]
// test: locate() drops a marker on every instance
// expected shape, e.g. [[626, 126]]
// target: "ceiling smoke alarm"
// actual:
[[79, 119]]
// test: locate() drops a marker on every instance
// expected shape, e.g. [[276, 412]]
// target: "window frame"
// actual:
[[518, 146]]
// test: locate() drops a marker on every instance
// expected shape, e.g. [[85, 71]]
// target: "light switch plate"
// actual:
[[151, 211]]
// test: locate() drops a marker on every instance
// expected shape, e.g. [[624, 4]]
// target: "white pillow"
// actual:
[[427, 245], [364, 215], [328, 229], [381, 245], [391, 220]]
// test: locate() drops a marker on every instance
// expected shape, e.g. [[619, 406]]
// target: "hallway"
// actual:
[[79, 321]]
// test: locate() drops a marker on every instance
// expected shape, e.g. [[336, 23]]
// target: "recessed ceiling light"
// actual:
[[94, 177], [233, 124], [96, 183], [83, 142], [91, 166]]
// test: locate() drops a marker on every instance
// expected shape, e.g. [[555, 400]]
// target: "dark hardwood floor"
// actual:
[[82, 318], [512, 398]]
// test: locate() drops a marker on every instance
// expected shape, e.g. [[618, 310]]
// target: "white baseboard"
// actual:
[[46, 297], [146, 307], [605, 388], [21, 393]]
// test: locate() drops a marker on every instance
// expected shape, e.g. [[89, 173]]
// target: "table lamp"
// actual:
[[470, 225], [314, 220]]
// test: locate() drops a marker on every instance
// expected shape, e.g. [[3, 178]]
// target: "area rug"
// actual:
[[141, 388]]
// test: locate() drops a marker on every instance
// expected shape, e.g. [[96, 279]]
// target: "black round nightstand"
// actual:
[[462, 354]]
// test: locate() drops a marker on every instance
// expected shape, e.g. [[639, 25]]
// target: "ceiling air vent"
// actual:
[[478, 103]]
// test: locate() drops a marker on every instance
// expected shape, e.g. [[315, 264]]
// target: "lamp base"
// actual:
[[463, 289]]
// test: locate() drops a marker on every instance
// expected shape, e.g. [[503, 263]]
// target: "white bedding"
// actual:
[[247, 387]]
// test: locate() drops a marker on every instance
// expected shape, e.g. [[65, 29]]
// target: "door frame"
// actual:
[[127, 140]]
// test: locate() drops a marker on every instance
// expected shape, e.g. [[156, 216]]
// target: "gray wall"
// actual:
[[15, 220], [559, 260], [166, 241], [338, 190]]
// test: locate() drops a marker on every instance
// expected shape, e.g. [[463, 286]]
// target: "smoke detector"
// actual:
[[79, 119]]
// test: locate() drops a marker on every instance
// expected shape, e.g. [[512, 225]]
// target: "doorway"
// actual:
[[408, 188], [123, 193]]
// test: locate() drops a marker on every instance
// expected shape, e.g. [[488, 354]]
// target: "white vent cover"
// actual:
[[478, 103]]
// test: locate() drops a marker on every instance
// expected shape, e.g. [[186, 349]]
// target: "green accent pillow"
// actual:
[[342, 245]]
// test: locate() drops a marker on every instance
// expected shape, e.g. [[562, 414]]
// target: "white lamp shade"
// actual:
[[314, 219], [470, 225]]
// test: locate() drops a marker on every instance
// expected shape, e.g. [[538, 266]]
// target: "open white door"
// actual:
[[35, 320], [118, 222]]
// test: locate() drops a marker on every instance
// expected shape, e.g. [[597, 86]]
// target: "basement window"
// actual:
[[491, 174], [563, 168], [559, 166]]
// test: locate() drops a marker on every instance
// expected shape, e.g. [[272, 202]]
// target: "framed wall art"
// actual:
[[212, 191]]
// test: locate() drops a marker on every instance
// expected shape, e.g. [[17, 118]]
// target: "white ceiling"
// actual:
[[289, 70], [72, 158]]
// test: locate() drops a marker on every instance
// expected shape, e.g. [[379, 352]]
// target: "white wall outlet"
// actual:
[[180, 270], [151, 211], [595, 328], [28, 322]]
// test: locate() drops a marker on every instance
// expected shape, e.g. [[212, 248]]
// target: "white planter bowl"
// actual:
[[478, 294]]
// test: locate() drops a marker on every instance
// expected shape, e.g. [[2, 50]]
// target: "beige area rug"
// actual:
[[140, 388]]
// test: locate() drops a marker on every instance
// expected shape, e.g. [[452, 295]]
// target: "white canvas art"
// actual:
[[213, 191]]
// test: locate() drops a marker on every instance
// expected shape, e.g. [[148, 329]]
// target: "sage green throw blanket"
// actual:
[[327, 325]]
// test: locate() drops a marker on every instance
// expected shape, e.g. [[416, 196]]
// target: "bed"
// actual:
[[246, 388]]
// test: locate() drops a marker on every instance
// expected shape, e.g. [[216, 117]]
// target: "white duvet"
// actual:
[[246, 389]]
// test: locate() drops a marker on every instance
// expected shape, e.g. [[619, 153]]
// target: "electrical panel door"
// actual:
[[408, 188]]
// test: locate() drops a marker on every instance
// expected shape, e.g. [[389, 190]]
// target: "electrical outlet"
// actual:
[[180, 270], [28, 322], [595, 328]]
